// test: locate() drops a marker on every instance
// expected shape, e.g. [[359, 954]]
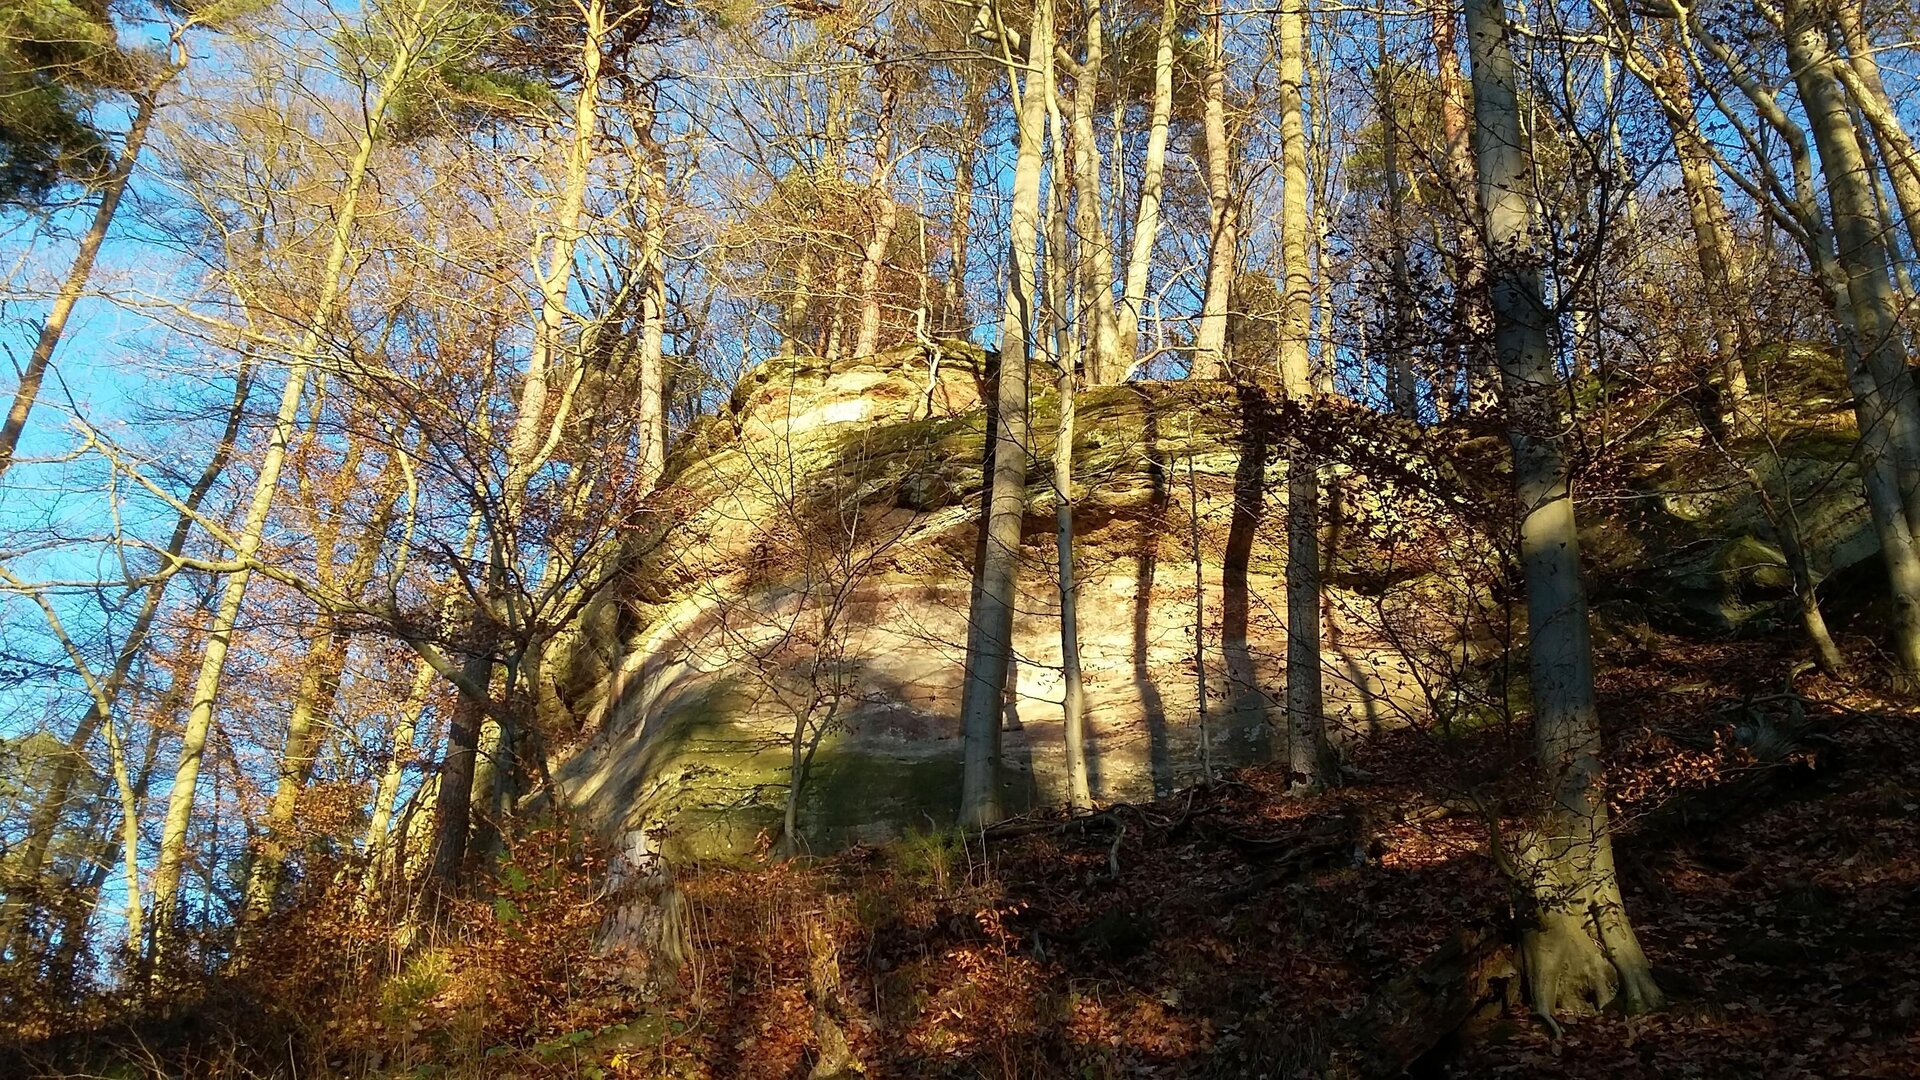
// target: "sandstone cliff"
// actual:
[[808, 563]]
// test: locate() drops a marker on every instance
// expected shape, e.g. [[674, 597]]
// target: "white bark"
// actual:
[[206, 691], [1578, 948], [1146, 221], [990, 625]]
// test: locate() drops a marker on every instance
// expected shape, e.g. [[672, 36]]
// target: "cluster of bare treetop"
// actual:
[[411, 299]]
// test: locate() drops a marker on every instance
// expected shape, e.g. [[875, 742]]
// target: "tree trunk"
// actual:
[[536, 431], [1062, 272], [1473, 321], [1059, 265], [1308, 748], [206, 693], [133, 793], [453, 800], [130, 798], [1310, 763], [406, 726], [1870, 149], [1296, 298], [1102, 360], [886, 215], [75, 283], [496, 780], [1210, 358], [797, 317], [1858, 245], [836, 1059], [1073, 701], [1786, 525], [1403, 389], [959, 318], [1578, 949], [990, 626], [1864, 297], [1714, 247], [1199, 613], [653, 308], [312, 704], [1146, 222], [28, 859], [1861, 74]]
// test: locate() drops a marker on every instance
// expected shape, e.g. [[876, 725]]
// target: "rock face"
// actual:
[[806, 567], [809, 565], [1692, 544]]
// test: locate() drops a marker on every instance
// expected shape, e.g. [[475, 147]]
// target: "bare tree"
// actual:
[[413, 36], [146, 100], [990, 623], [1577, 945], [1309, 754]]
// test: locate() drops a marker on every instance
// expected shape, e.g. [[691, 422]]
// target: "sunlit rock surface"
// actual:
[[810, 558]]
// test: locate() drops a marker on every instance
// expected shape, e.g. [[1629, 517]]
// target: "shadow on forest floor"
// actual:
[[1232, 931]]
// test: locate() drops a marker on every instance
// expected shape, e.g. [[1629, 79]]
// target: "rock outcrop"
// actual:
[[808, 563], [1682, 534]]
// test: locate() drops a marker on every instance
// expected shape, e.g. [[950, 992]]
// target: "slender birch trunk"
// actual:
[[653, 307], [206, 693], [1210, 359], [990, 625], [133, 793], [1786, 525], [886, 216], [1199, 613], [1146, 221], [1062, 273], [1063, 342], [1102, 359], [1309, 752], [129, 831], [1073, 701], [1578, 949]]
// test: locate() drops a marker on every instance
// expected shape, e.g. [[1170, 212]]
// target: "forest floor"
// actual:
[[1769, 845]]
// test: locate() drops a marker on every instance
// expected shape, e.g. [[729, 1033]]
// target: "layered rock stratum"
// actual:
[[808, 563]]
